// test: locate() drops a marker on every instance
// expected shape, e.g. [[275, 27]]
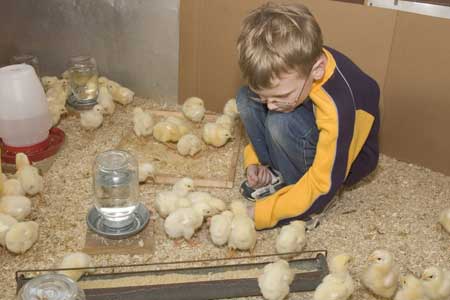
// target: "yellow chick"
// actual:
[[338, 285], [106, 101], [182, 125], [183, 222], [165, 132], [6, 222], [56, 111], [215, 205], [47, 81], [243, 232], [92, 119], [220, 228], [444, 219], [436, 282], [382, 274], [411, 288], [142, 122], [292, 237], [274, 282], [183, 186], [58, 92], [189, 144], [119, 93], [76, 260], [29, 177], [227, 122], [216, 135], [12, 187], [22, 236], [145, 170], [194, 109], [230, 109], [167, 202], [18, 207]]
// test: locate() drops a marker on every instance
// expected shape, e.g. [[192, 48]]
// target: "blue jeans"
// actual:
[[285, 141]]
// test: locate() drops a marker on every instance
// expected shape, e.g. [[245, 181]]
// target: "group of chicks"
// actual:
[[109, 92], [382, 277], [178, 130], [18, 235], [185, 210]]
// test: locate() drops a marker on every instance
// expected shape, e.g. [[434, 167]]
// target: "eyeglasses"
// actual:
[[279, 103]]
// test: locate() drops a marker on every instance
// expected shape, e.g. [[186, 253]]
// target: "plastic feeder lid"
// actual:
[[37, 152]]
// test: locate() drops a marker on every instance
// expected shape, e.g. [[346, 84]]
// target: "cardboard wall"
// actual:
[[416, 119], [408, 54]]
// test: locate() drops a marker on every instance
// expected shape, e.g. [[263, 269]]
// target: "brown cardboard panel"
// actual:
[[417, 107], [208, 60]]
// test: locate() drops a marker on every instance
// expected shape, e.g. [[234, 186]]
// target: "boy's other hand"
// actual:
[[258, 176]]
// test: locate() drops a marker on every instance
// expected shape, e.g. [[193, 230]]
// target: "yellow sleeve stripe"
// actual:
[[250, 157]]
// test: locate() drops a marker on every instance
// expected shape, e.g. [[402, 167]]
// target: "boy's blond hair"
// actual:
[[275, 39]]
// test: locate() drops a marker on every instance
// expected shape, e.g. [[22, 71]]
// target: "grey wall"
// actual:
[[135, 42]]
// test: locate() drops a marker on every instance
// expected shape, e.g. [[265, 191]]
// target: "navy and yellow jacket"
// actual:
[[347, 117]]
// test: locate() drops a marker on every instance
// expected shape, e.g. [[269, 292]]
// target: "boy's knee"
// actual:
[[277, 125]]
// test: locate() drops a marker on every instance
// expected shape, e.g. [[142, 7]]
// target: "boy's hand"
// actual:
[[258, 176]]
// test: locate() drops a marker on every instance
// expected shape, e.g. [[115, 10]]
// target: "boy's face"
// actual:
[[287, 92]]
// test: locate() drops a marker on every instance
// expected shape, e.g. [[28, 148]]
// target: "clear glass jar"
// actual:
[[116, 187], [83, 77], [28, 59], [51, 287]]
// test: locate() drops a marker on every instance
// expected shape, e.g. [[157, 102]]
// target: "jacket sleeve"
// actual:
[[250, 157]]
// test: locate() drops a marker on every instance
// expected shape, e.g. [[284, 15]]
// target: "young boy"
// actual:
[[310, 113]]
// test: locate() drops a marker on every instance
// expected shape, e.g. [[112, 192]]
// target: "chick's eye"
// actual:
[[431, 276], [379, 258]]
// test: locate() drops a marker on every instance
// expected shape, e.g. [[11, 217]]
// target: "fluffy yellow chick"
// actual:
[[167, 202], [183, 186], [106, 101], [444, 219], [436, 282], [142, 122], [189, 144], [18, 207], [58, 93], [227, 122], [29, 177], [382, 274], [119, 93], [243, 232], [56, 111], [183, 222], [411, 288], [22, 236], [292, 237], [216, 135], [146, 170], [338, 285], [274, 282], [215, 205], [6, 222], [230, 108], [12, 187], [220, 228], [76, 260], [182, 125], [92, 119], [194, 109], [165, 132], [47, 81]]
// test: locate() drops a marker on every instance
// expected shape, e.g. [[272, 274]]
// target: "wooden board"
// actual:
[[211, 167]]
